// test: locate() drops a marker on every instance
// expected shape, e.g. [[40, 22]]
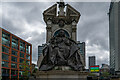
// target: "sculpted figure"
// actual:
[[61, 51]]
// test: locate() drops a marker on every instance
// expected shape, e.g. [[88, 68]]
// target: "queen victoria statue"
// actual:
[[61, 51]]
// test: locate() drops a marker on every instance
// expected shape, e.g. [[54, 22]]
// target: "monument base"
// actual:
[[61, 75]]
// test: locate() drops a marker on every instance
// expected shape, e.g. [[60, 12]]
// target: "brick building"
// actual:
[[13, 52]]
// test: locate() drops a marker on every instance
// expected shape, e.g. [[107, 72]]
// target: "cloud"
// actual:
[[93, 29], [58, 0], [0, 14], [25, 19], [30, 28]]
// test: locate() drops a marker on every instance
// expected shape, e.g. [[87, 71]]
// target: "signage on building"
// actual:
[[94, 68]]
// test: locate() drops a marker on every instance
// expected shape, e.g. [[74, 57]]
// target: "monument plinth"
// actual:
[[60, 74]]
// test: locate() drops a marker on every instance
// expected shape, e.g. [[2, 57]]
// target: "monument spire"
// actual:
[[61, 8]]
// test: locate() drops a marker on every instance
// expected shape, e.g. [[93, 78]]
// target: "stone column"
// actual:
[[0, 52], [74, 35], [48, 28]]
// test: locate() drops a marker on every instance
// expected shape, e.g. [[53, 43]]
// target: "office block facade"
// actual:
[[40, 54], [14, 52], [82, 50], [114, 35], [40, 48], [92, 61]]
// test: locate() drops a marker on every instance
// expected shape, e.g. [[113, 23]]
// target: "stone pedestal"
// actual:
[[61, 75]]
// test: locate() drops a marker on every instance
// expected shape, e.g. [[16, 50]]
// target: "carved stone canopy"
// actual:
[[71, 15]]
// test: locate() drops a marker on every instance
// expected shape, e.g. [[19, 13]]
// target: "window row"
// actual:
[[14, 59], [6, 50], [6, 57], [14, 73], [6, 41], [14, 65]]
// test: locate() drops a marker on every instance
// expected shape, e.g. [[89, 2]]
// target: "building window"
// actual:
[[5, 49], [5, 39], [27, 49], [20, 73], [13, 65], [14, 73], [21, 60], [4, 64], [14, 59], [21, 66], [40, 49], [28, 68], [22, 55], [14, 52], [22, 46], [27, 62], [14, 43], [5, 72], [27, 57], [5, 56]]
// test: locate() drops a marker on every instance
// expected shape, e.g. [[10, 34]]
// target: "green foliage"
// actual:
[[35, 70], [105, 74], [91, 74], [26, 72], [0, 77]]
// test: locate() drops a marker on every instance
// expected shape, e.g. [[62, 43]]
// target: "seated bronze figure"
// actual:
[[61, 51]]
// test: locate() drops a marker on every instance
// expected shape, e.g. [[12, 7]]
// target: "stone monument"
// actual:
[[61, 56]]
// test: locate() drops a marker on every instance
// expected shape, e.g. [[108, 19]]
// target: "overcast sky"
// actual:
[[25, 19]]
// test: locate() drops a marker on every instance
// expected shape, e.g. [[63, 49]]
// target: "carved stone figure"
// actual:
[[61, 51]]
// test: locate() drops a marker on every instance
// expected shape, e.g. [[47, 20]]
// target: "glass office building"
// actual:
[[92, 61], [82, 49], [114, 35], [14, 51], [40, 49]]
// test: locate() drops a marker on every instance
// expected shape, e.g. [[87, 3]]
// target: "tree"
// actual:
[[25, 72], [35, 70], [105, 74]]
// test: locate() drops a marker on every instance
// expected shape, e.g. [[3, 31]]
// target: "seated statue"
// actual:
[[61, 51]]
